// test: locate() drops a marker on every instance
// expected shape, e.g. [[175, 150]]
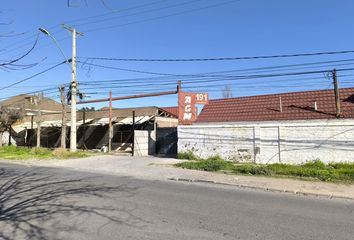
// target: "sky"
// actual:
[[175, 29]]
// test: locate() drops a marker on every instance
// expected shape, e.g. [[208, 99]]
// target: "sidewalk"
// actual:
[[152, 168]]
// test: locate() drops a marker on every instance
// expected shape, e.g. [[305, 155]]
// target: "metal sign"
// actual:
[[187, 111], [201, 98], [186, 108]]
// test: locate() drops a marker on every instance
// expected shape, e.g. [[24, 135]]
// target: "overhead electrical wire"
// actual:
[[205, 77], [32, 76], [174, 83], [220, 58], [77, 21], [232, 76], [130, 23], [208, 75], [141, 12], [159, 17]]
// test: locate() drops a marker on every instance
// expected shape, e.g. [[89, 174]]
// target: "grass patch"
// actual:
[[333, 172], [22, 153], [211, 164], [189, 155], [61, 153]]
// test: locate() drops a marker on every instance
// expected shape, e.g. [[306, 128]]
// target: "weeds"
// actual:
[[65, 154], [211, 164], [22, 153], [189, 155], [333, 172]]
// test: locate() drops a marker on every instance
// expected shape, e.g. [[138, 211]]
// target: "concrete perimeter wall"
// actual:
[[272, 142]]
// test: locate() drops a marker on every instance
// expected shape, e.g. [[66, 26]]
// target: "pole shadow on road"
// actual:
[[36, 204]]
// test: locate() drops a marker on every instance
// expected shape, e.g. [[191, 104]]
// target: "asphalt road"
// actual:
[[54, 203]]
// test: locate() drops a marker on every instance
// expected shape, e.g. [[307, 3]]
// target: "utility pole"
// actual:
[[133, 133], [73, 141], [110, 129], [38, 100], [336, 92], [63, 120]]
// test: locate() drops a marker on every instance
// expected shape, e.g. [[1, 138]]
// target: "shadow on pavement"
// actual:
[[36, 204]]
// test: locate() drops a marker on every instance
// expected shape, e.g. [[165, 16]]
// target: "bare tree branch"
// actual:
[[227, 91]]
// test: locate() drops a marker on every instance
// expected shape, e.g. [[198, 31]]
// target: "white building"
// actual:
[[277, 128]]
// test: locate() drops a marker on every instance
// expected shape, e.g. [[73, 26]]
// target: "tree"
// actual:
[[86, 109], [8, 116], [227, 91]]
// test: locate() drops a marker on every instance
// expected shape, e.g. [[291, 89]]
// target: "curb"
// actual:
[[328, 196]]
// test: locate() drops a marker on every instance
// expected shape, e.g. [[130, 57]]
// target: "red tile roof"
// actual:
[[295, 106], [171, 110]]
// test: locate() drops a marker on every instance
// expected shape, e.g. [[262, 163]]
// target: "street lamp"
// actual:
[[73, 82], [45, 31]]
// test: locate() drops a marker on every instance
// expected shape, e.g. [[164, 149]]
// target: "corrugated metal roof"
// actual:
[[129, 120]]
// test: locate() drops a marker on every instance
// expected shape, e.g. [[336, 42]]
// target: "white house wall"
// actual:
[[272, 142]]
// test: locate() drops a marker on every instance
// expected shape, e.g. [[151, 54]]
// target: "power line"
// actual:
[[221, 58], [33, 76], [130, 23], [160, 17], [232, 76], [141, 12], [197, 78], [71, 22], [114, 12], [207, 74], [124, 69]]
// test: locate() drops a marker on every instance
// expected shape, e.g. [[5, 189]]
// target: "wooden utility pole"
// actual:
[[133, 133], [336, 92], [110, 128], [84, 130], [63, 117], [38, 100]]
